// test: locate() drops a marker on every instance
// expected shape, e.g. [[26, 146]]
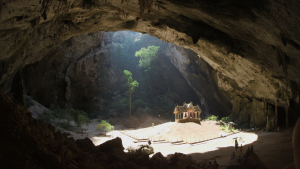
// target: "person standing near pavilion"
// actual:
[[236, 146]]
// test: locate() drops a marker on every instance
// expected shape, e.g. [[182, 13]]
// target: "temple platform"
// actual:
[[194, 120]]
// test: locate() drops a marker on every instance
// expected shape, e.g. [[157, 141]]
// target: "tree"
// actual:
[[147, 56], [106, 126], [132, 85]]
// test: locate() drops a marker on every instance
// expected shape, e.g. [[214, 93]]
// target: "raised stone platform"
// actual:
[[194, 120]]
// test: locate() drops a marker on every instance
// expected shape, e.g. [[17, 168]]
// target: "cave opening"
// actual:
[[86, 73], [251, 53], [149, 60]]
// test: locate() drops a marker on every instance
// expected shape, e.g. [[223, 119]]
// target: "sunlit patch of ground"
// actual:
[[172, 131], [273, 148]]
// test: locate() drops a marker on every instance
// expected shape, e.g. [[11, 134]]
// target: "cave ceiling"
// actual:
[[253, 46]]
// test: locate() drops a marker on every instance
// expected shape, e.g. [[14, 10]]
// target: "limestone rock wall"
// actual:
[[83, 72], [200, 77], [253, 46], [72, 73]]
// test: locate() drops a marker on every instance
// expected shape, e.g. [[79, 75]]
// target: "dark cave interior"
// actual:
[[235, 59]]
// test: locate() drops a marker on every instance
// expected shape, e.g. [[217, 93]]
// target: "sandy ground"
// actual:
[[188, 132], [273, 148]]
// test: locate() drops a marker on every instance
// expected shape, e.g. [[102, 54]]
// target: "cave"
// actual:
[[87, 78], [233, 58]]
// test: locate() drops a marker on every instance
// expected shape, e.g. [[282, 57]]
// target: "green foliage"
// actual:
[[118, 103], [147, 56], [83, 119], [212, 117], [225, 128], [138, 103], [131, 84], [46, 116], [63, 117], [227, 119], [104, 125]]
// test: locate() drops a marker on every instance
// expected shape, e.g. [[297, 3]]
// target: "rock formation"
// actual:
[[252, 47], [31, 143]]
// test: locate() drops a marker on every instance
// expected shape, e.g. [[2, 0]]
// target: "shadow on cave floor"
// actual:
[[273, 148]]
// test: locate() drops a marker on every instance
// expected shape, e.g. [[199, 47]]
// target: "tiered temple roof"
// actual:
[[186, 107]]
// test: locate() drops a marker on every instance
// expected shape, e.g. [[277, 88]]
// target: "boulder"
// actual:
[[110, 144], [252, 162], [85, 144], [158, 161], [59, 136], [208, 164], [117, 154], [130, 165], [82, 156], [179, 160], [48, 158], [69, 155], [71, 144], [140, 158]]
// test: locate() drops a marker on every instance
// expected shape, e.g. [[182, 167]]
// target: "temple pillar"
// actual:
[[276, 113]]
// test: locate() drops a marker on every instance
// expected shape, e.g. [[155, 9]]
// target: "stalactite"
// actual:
[[87, 62], [266, 106], [294, 89], [282, 59], [145, 5], [122, 12], [45, 8]]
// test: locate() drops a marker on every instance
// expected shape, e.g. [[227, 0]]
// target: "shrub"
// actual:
[[106, 126], [227, 119], [70, 114], [83, 120], [225, 128], [212, 117]]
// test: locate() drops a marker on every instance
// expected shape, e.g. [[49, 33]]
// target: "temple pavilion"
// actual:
[[187, 113]]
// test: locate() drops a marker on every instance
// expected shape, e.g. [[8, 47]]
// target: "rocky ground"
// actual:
[[30, 143], [272, 148]]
